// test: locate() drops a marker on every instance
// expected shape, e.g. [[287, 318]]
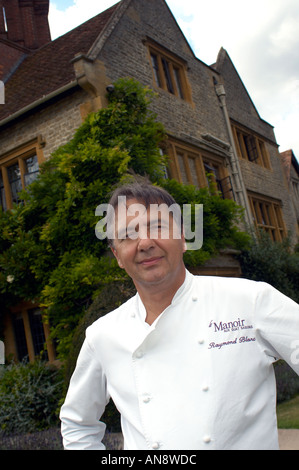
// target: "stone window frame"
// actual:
[[18, 156], [190, 165], [169, 71], [251, 147], [267, 215]]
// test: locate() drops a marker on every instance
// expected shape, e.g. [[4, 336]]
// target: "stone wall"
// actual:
[[56, 122], [126, 54]]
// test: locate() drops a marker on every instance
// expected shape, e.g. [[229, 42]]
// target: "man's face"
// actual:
[[149, 244]]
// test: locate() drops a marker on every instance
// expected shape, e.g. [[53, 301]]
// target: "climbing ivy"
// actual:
[[48, 249]]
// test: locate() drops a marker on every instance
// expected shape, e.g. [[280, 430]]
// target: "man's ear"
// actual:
[[117, 258]]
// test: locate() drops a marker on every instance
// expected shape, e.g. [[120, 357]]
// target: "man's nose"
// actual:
[[144, 241]]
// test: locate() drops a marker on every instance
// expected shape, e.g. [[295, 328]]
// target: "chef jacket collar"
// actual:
[[182, 290]]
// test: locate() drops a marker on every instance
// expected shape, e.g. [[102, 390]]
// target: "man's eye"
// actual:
[[156, 226], [131, 234]]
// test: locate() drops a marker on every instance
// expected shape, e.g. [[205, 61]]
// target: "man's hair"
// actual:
[[144, 193]]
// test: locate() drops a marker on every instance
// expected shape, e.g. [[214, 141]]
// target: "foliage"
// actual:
[[287, 381], [220, 219], [272, 262], [288, 414], [48, 249], [29, 397]]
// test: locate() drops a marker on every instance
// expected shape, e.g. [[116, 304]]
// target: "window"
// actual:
[[18, 169], [267, 215], [169, 72], [250, 147], [190, 166], [18, 176], [28, 333]]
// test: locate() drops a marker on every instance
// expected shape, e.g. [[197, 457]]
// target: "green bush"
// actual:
[[287, 381], [272, 262], [29, 397]]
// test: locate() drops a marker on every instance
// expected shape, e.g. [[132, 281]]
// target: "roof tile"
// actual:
[[50, 68]]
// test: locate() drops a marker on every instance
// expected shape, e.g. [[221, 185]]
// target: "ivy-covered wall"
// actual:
[[48, 249]]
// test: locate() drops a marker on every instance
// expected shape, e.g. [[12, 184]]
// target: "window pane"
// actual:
[[255, 212], [2, 193], [156, 69], [264, 220], [251, 147], [32, 169], [167, 76], [177, 78], [14, 177], [20, 337], [182, 168], [192, 167], [37, 330], [211, 172]]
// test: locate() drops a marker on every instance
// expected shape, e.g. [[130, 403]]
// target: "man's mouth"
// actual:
[[151, 261]]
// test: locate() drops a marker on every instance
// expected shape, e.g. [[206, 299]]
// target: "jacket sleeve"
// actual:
[[85, 403], [278, 325]]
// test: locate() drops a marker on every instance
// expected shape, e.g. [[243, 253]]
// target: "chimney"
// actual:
[[26, 22], [41, 12]]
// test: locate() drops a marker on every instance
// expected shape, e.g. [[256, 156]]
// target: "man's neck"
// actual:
[[157, 297]]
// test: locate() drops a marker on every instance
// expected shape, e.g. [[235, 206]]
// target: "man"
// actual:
[[188, 361]]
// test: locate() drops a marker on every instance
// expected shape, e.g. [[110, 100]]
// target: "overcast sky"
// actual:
[[260, 36]]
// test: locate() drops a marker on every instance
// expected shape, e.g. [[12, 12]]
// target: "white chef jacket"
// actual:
[[200, 377]]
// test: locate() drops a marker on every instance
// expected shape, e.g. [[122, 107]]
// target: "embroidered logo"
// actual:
[[229, 326]]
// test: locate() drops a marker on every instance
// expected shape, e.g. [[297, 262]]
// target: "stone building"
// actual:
[[212, 124], [291, 167]]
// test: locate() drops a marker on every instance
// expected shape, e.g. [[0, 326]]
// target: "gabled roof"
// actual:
[[226, 68], [49, 68]]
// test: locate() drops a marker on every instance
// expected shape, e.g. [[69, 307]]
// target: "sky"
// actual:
[[260, 36]]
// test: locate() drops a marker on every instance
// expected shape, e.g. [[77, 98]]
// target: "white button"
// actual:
[[194, 299], [155, 445], [139, 354], [201, 341], [205, 388], [207, 439], [133, 315], [146, 399]]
